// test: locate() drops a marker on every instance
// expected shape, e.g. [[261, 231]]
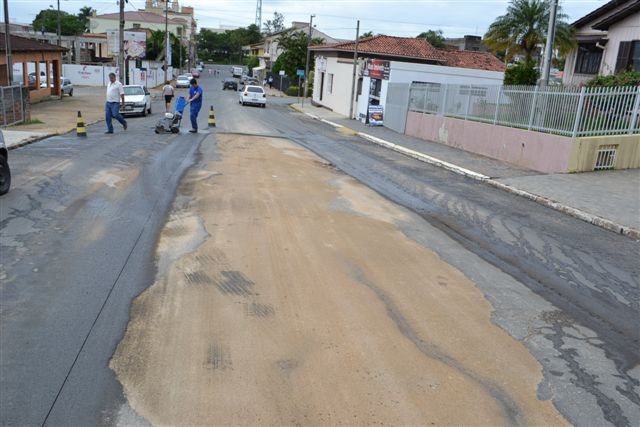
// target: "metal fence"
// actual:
[[569, 111], [14, 105]]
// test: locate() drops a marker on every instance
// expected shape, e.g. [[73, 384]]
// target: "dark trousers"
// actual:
[[194, 109], [112, 110]]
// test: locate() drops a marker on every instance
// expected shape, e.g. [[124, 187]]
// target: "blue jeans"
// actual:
[[194, 109], [112, 110]]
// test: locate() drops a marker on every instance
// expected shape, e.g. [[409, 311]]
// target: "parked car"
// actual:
[[66, 86], [5, 172], [253, 95], [43, 77], [230, 84], [200, 68], [183, 81], [137, 100]]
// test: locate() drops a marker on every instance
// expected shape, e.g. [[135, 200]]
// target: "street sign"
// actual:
[[281, 72], [300, 73]]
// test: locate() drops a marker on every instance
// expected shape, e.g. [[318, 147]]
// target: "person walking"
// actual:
[[270, 82], [115, 95], [168, 93], [195, 103]]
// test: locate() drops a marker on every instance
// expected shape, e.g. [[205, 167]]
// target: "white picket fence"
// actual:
[[559, 110]]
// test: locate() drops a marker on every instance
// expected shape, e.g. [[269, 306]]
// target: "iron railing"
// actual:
[[569, 111], [13, 105]]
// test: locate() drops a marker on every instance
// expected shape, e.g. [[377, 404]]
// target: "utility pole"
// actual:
[[166, 38], [59, 24], [121, 42], [7, 43], [355, 64], [548, 49], [306, 67]]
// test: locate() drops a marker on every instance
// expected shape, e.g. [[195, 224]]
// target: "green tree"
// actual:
[[274, 25], [294, 57], [366, 35], [226, 47], [251, 61], [435, 38], [523, 73], [524, 27], [83, 16], [47, 20]]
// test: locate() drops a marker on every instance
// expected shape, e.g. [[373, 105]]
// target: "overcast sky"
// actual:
[[337, 18]]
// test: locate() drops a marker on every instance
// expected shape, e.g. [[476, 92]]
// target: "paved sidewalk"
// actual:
[[609, 199]]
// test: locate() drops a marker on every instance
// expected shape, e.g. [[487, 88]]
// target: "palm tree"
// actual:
[[524, 27]]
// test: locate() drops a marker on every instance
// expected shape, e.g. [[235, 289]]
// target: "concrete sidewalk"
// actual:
[[609, 199]]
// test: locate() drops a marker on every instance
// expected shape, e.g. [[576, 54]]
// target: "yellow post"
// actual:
[[81, 130], [212, 118]]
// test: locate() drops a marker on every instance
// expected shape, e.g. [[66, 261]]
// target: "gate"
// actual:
[[13, 105], [395, 114]]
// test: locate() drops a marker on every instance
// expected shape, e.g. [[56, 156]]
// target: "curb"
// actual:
[[545, 201], [41, 137]]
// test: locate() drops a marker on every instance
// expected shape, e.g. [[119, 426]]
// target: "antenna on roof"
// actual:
[[259, 15]]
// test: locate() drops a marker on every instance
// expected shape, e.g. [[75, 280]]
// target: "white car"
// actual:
[[183, 80], [253, 95], [137, 100], [66, 86]]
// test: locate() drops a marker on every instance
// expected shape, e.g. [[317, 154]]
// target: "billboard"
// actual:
[[135, 44], [377, 69]]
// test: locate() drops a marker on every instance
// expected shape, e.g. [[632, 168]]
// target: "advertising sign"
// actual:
[[376, 115], [377, 69], [135, 43]]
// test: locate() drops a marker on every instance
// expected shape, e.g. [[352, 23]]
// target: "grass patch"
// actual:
[[33, 121]]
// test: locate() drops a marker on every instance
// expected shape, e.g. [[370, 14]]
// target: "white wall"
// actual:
[[97, 75], [340, 96], [404, 72]]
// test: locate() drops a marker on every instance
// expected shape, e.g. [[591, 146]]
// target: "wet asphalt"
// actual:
[[78, 245]]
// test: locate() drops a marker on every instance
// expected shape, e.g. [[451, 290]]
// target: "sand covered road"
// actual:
[[286, 294]]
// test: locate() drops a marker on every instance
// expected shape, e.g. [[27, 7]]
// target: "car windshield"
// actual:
[[183, 78], [255, 89], [134, 90]]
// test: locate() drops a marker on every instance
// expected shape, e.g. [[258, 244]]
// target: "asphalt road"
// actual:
[[568, 290], [78, 239], [79, 228]]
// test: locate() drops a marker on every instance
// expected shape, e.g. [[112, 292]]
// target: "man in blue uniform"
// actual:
[[195, 102]]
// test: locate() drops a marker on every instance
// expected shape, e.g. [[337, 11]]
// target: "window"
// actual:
[[588, 60], [136, 25], [628, 56], [330, 83]]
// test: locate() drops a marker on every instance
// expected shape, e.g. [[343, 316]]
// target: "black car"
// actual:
[[230, 84], [5, 173]]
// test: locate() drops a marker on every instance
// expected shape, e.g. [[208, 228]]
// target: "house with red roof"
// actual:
[[387, 63]]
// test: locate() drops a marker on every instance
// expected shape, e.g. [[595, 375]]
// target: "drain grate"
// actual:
[[606, 157]]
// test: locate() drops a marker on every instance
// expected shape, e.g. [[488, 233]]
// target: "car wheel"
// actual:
[[71, 92], [149, 108], [5, 176], [144, 111]]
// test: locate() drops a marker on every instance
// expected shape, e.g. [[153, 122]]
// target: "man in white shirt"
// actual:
[[115, 96]]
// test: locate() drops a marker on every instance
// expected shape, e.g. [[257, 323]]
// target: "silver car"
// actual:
[[183, 80], [66, 86], [137, 100]]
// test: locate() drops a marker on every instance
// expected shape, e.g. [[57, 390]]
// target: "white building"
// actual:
[[608, 42], [385, 60]]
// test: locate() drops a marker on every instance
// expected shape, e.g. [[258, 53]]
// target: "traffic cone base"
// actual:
[[212, 118], [81, 130]]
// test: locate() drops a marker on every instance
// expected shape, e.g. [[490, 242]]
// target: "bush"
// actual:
[[293, 91], [523, 73], [627, 78]]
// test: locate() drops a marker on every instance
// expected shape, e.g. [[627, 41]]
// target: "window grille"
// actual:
[[606, 157]]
